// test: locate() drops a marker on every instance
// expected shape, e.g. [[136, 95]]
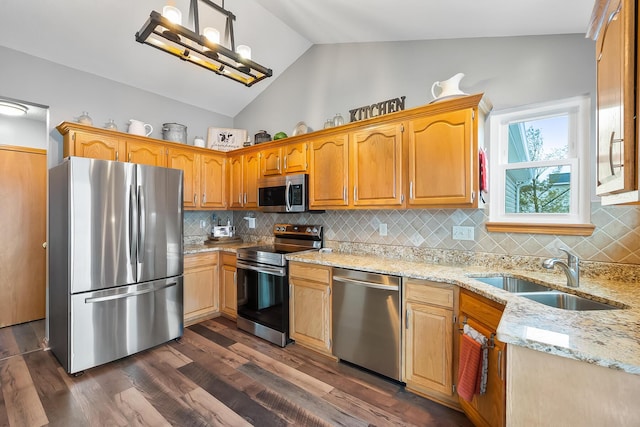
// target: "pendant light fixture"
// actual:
[[166, 32], [9, 108]]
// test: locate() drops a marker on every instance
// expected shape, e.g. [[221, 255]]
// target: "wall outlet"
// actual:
[[462, 233], [382, 229], [203, 223]]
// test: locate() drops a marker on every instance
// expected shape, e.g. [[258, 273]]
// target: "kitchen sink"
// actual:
[[512, 284], [567, 301]]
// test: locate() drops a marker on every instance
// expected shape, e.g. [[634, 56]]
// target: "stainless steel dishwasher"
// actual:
[[367, 321]]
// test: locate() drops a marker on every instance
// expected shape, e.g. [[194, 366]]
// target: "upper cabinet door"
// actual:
[[443, 160], [376, 166], [146, 154], [295, 158], [616, 65], [271, 162], [236, 192], [329, 167], [186, 160], [97, 146], [212, 181], [251, 174]]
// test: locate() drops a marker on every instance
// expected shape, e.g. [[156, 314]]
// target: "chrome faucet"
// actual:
[[571, 268]]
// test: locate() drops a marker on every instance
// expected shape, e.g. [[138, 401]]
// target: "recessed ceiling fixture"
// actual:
[[165, 32], [9, 108]]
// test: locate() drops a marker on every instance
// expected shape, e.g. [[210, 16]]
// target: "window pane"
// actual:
[[538, 190], [539, 139]]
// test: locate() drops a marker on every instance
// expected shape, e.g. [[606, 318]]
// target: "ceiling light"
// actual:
[[9, 108], [206, 50]]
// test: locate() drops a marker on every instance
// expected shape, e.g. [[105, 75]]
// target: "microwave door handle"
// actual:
[[287, 202]]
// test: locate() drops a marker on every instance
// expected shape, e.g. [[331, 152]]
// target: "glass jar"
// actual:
[[85, 119], [338, 120], [328, 124], [111, 124]]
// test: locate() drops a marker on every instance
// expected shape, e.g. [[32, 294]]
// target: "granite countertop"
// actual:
[[609, 338], [195, 248]]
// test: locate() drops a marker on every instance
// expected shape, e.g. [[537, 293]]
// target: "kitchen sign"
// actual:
[[378, 109]]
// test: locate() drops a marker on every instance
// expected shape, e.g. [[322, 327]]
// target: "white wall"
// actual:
[[511, 71], [23, 132], [68, 92]]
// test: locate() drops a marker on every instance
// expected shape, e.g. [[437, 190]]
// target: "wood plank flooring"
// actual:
[[215, 375]]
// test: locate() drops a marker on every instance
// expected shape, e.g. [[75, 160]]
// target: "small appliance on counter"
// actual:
[[223, 231]]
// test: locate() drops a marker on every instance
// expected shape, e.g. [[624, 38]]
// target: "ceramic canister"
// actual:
[[174, 132]]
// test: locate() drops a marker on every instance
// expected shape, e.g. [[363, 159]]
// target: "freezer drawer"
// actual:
[[111, 324]]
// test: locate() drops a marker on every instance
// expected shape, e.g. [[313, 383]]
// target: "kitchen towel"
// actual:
[[484, 367], [469, 367]]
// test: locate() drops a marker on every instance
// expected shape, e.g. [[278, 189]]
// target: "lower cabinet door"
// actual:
[[310, 314], [429, 348]]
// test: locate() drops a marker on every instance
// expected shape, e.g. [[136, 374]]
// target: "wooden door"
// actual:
[[429, 347], [146, 153], [23, 186], [97, 146], [376, 166], [250, 179], [271, 162], [187, 161], [213, 181], [615, 65], [295, 158], [236, 195], [442, 158], [228, 291], [329, 172], [200, 286]]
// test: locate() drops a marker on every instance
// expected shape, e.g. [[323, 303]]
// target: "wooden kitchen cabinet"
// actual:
[[92, 145], [213, 179], [244, 172], [185, 159], [443, 164], [228, 290], [144, 153], [296, 158], [310, 306], [375, 167], [201, 290], [617, 101], [429, 345], [484, 316], [329, 171], [271, 161]]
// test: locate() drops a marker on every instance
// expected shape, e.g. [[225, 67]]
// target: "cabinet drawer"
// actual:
[[199, 260], [228, 259], [434, 293], [489, 312], [310, 272]]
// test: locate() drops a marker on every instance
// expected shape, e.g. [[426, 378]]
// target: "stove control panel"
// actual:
[[298, 230]]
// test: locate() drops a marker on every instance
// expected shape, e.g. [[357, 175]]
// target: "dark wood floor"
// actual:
[[215, 375]]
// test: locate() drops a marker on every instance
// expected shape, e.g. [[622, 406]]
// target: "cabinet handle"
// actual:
[[129, 158], [239, 198], [355, 193], [500, 365], [285, 162], [245, 198], [410, 189], [116, 155], [204, 198], [611, 142], [278, 159], [195, 199], [344, 193], [406, 319]]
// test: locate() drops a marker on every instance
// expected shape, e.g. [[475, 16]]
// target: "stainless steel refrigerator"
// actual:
[[115, 260]]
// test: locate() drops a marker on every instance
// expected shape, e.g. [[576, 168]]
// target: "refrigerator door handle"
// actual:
[[133, 225], [142, 225], [129, 294]]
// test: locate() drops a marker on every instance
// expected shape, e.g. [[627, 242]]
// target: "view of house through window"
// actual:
[[539, 187]]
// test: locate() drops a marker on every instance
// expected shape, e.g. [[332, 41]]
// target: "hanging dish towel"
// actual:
[[469, 368], [472, 374]]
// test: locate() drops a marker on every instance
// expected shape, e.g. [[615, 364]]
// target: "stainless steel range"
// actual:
[[263, 281]]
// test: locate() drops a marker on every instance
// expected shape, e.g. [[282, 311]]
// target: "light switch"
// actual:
[[382, 229]]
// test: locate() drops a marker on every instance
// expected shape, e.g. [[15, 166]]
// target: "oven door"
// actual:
[[263, 295]]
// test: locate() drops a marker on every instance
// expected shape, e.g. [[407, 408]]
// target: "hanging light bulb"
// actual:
[[173, 14], [212, 35], [244, 51]]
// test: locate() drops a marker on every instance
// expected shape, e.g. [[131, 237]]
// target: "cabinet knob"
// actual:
[[44, 245]]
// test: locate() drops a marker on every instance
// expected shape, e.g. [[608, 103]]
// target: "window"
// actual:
[[539, 174]]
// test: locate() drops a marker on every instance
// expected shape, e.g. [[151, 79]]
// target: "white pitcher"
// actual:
[[448, 87], [136, 127]]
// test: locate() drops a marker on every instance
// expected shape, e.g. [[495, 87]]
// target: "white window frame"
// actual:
[[578, 109]]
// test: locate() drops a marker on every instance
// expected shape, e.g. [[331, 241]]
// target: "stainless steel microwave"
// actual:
[[283, 193]]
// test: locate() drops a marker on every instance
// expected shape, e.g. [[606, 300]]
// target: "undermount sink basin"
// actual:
[[512, 284], [567, 301]]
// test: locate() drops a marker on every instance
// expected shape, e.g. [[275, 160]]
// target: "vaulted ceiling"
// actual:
[[98, 37]]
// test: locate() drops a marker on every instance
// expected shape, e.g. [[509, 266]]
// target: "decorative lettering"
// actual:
[[378, 109]]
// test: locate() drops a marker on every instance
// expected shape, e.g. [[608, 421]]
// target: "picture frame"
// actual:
[[225, 139]]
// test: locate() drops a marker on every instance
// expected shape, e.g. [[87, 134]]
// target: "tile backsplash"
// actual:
[[616, 237]]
